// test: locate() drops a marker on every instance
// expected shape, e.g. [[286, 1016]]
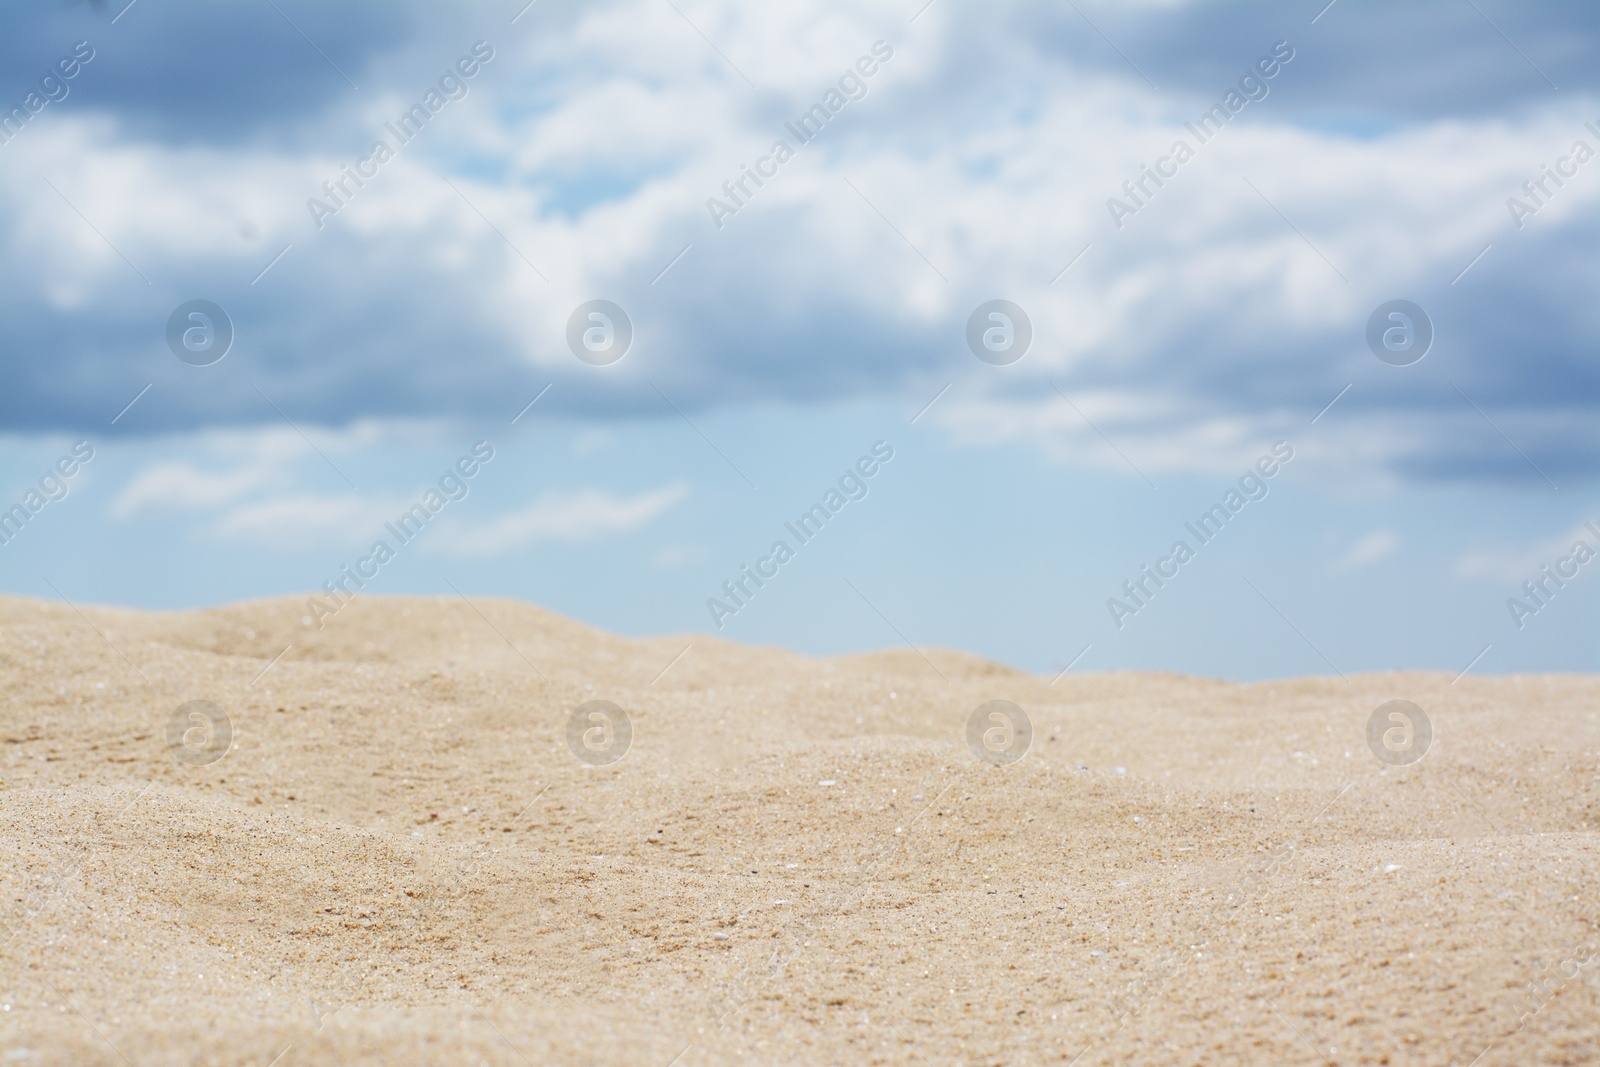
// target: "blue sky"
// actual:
[[1174, 340]]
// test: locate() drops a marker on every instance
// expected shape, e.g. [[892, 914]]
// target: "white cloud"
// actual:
[[575, 517], [1515, 565], [672, 557], [1192, 309], [593, 440], [257, 488], [180, 485], [243, 462], [1370, 549], [239, 462], [308, 520]]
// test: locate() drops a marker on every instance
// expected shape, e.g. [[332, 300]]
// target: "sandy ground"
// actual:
[[399, 859]]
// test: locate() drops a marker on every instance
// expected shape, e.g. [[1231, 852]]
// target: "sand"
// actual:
[[399, 860]]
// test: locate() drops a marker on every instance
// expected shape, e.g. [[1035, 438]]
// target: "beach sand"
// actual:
[[400, 860]]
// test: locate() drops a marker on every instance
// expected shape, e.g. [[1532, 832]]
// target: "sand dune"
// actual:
[[399, 859]]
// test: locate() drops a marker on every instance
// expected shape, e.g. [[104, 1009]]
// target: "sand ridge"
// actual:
[[797, 860]]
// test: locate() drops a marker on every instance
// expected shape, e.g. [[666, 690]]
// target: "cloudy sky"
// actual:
[[1198, 209]]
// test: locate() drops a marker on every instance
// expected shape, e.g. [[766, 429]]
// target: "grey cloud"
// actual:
[[417, 322]]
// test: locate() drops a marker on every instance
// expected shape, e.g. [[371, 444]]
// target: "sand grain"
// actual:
[[399, 861]]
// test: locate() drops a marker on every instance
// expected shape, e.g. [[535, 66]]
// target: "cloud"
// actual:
[[590, 441], [307, 520], [979, 163], [1370, 549], [253, 487], [242, 462], [1513, 565], [181, 486], [671, 557], [574, 517], [299, 519]]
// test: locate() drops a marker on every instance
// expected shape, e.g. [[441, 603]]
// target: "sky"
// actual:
[[1065, 278]]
